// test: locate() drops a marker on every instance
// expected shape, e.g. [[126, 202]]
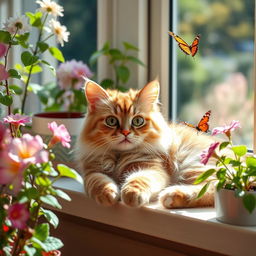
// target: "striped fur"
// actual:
[[157, 160]]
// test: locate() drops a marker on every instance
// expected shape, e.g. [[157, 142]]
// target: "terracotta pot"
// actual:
[[231, 210], [73, 121]]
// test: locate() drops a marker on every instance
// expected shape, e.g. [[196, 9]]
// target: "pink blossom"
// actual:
[[227, 128], [4, 135], [28, 150], [11, 171], [3, 49], [60, 134], [70, 74], [18, 214], [206, 154], [3, 73], [17, 119]]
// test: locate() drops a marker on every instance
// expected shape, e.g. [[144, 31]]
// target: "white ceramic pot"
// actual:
[[230, 209], [73, 121]]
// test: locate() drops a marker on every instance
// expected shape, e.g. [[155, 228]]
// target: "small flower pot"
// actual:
[[73, 121], [230, 209]]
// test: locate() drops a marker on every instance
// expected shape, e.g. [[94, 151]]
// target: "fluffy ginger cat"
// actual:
[[128, 152]]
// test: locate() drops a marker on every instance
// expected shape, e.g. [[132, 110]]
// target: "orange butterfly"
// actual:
[[203, 125], [186, 48]]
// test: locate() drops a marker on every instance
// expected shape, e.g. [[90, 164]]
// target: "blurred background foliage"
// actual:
[[220, 76]]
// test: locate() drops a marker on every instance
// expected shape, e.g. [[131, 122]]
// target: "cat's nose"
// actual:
[[125, 132]]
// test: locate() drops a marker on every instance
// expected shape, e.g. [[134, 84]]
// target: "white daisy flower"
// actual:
[[60, 31], [50, 7], [17, 24]]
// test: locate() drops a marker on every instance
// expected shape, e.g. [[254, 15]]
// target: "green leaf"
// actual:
[[5, 37], [43, 181], [251, 161], [28, 58], [42, 231], [14, 73], [32, 193], [240, 150], [249, 201], [66, 171], [221, 174], [23, 37], [107, 83], [129, 46], [202, 177], [38, 244], [29, 250], [35, 18], [123, 73], [5, 99], [220, 184], [203, 190], [223, 145], [51, 217], [135, 60], [95, 56], [42, 46], [51, 200], [57, 54], [62, 194], [35, 69], [16, 89], [49, 66], [43, 96], [52, 243]]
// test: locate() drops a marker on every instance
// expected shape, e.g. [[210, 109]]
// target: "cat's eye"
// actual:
[[138, 121], [111, 121]]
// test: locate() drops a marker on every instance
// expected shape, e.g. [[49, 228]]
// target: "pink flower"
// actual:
[[60, 134], [206, 154], [18, 214], [17, 119], [227, 128], [28, 150], [4, 135], [3, 73], [11, 171], [70, 74], [3, 49]]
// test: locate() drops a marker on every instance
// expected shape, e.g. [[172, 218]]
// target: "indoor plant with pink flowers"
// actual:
[[234, 176], [27, 172]]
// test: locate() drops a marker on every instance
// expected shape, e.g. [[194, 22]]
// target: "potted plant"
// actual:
[[27, 173], [234, 175]]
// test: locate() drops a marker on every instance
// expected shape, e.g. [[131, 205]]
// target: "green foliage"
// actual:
[[120, 62], [56, 53], [235, 170]]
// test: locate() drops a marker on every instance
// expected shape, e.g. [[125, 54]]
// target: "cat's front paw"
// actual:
[[176, 197], [134, 195], [108, 195]]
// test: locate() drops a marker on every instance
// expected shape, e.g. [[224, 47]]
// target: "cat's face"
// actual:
[[122, 121]]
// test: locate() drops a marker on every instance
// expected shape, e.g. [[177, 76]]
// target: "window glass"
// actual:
[[81, 20], [219, 77]]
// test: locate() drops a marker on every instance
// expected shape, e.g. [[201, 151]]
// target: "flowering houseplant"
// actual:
[[68, 94], [27, 173], [235, 170], [27, 176], [17, 31]]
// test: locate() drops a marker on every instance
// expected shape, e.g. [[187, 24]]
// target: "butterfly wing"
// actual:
[[203, 125], [194, 46], [181, 43]]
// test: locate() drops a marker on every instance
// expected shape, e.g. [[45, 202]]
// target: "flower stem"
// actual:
[[31, 67]]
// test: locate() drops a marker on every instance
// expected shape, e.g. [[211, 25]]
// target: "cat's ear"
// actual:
[[94, 93], [149, 94]]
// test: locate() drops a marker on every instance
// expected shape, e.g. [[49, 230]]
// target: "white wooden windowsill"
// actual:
[[194, 227]]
